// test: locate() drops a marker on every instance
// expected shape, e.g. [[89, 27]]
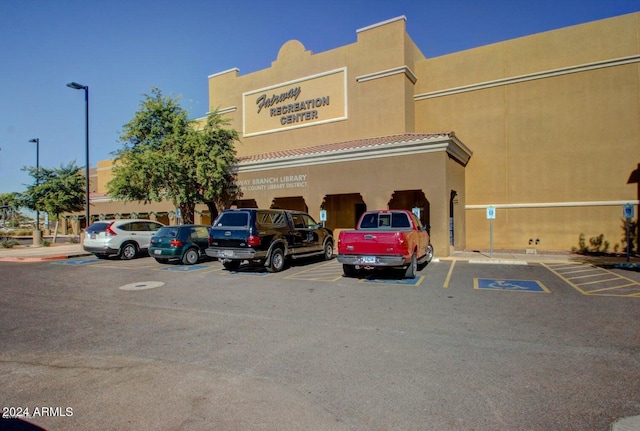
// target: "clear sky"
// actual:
[[121, 48]]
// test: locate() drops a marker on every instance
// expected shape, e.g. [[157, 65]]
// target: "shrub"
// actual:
[[8, 243], [597, 244]]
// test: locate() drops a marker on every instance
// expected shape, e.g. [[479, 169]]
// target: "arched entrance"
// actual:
[[295, 203], [245, 203], [343, 211], [410, 199]]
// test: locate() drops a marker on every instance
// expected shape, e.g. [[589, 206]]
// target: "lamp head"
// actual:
[[76, 86], [36, 140]]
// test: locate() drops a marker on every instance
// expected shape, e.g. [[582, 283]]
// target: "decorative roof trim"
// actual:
[[529, 77], [554, 204], [365, 149], [389, 72], [235, 69], [226, 110], [389, 21]]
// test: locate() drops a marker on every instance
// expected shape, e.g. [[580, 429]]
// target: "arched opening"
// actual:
[[245, 203], [411, 200], [295, 203], [343, 211]]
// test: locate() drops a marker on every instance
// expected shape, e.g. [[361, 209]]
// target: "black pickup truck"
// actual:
[[267, 236]]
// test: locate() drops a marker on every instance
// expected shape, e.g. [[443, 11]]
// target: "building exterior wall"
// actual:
[[552, 120]]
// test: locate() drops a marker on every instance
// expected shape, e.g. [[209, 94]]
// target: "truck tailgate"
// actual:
[[371, 242], [221, 237]]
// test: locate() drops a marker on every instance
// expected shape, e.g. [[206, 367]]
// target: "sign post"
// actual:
[[491, 215], [323, 217], [627, 213]]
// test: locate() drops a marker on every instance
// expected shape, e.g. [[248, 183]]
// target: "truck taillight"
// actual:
[[402, 243], [253, 241], [110, 232], [176, 243]]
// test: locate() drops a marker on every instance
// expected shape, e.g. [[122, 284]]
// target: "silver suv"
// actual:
[[122, 238]]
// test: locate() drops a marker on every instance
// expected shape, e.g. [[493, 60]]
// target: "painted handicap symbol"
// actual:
[[183, 268], [76, 262], [513, 285]]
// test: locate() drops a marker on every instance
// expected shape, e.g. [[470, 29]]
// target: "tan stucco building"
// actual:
[[544, 128]]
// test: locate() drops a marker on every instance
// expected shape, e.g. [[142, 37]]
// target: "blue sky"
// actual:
[[121, 48]]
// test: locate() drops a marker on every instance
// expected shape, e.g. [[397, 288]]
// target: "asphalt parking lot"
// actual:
[[463, 346]]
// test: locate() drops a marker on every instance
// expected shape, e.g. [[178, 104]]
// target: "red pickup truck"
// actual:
[[385, 238]]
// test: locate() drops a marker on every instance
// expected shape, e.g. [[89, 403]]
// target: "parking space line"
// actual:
[[599, 281], [598, 287], [324, 272], [449, 274], [211, 269], [615, 287], [111, 266], [581, 270]]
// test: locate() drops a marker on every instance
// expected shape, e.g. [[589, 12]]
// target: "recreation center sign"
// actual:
[[309, 101]]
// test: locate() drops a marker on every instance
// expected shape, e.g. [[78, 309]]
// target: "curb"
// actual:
[[41, 258], [499, 262]]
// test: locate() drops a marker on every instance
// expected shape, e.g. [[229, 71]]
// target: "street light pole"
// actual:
[[36, 232], [77, 86]]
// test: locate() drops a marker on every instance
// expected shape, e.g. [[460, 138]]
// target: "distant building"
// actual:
[[544, 128]]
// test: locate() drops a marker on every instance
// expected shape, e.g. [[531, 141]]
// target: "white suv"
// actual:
[[122, 238]]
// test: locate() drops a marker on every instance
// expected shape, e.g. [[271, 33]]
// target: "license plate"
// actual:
[[157, 251], [368, 259], [225, 253], [93, 236]]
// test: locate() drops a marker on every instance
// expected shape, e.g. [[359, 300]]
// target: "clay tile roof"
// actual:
[[347, 145]]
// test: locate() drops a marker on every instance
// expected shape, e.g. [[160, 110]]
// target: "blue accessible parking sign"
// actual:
[[516, 285]]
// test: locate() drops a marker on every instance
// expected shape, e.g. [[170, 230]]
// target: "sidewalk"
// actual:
[[29, 253]]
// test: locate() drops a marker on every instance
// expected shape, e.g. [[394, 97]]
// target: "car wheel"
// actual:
[[412, 268], [429, 253], [128, 251], [231, 265], [349, 270], [276, 262], [191, 257], [328, 250]]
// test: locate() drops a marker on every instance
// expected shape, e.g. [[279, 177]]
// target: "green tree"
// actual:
[[215, 157], [56, 191], [166, 156], [9, 206]]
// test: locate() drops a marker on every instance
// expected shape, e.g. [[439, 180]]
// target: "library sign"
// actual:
[[305, 102], [273, 182]]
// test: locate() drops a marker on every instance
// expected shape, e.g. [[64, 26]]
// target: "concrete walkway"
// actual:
[[29, 253]]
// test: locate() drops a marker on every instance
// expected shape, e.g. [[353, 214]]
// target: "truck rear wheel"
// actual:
[[349, 270], [412, 268], [231, 265], [276, 261], [328, 250]]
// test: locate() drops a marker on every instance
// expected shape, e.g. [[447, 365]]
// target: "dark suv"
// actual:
[[267, 236]]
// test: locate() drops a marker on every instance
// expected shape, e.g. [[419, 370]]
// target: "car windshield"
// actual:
[[167, 232], [232, 219], [98, 227], [385, 220]]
